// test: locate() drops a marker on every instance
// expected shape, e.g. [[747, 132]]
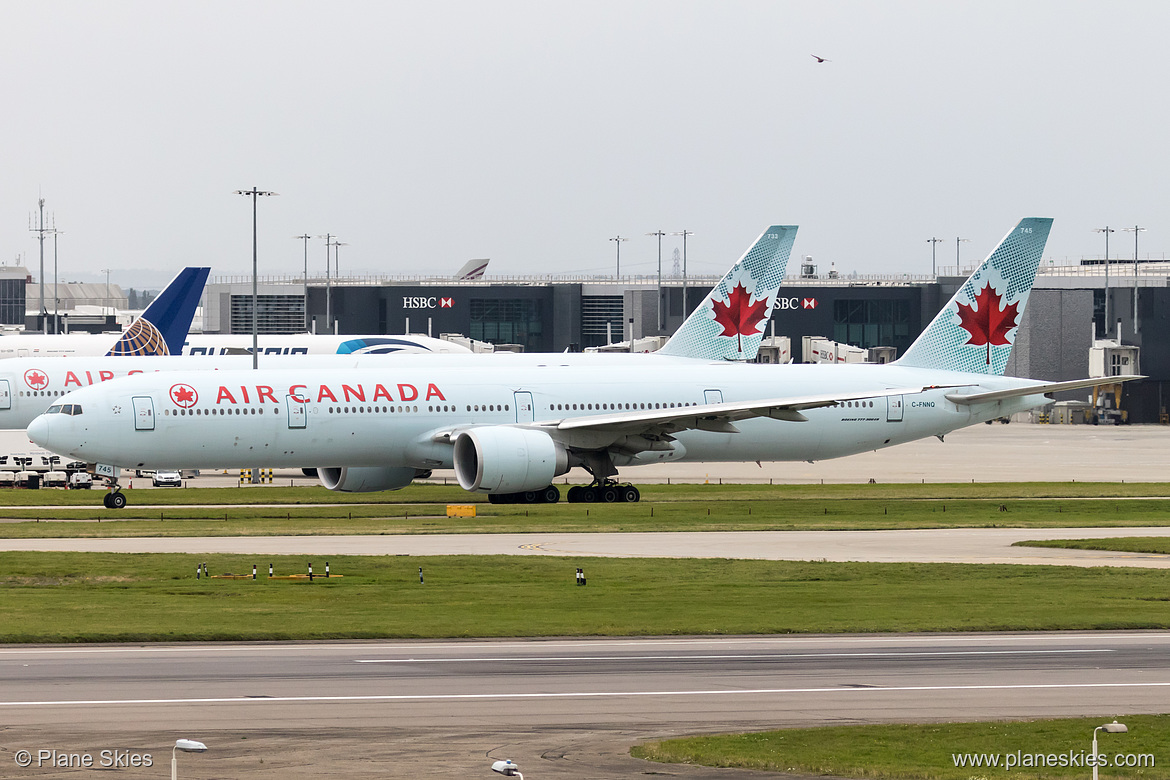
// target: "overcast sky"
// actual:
[[427, 134]]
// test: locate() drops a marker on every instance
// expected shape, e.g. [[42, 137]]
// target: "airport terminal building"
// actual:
[[1065, 317]]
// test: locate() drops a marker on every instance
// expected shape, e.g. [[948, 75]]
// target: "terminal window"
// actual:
[[508, 322], [869, 323]]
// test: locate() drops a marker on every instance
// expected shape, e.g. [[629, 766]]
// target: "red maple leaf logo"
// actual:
[[35, 379], [740, 316], [184, 396], [986, 321]]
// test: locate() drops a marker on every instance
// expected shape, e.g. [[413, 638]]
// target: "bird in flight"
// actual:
[[819, 59]]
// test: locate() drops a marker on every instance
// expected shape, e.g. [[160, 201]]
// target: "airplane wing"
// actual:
[[1042, 389], [717, 417]]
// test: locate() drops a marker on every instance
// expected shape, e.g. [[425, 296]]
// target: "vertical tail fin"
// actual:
[[163, 327], [730, 323], [975, 331]]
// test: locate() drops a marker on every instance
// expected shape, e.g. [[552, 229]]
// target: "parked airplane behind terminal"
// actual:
[[159, 331]]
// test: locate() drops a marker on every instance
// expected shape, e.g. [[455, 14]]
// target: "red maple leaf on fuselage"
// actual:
[[740, 316], [987, 322]]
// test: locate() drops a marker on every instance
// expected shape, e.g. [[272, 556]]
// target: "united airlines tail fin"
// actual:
[[164, 325], [730, 324], [975, 331]]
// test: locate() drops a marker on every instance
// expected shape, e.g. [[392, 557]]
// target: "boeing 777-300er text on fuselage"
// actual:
[[509, 429]]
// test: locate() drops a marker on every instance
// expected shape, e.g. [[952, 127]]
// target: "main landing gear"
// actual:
[[548, 495], [115, 499], [606, 492]]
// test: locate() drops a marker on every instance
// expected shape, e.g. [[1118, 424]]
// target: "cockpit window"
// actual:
[[73, 409], [54, 409]]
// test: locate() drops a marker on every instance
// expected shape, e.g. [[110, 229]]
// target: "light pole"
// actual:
[[187, 746], [684, 234], [1109, 728], [934, 242], [254, 193], [107, 273], [1106, 230], [1135, 230], [618, 245], [41, 230], [328, 284], [337, 259], [305, 238], [957, 264], [660, 234], [56, 299], [507, 768]]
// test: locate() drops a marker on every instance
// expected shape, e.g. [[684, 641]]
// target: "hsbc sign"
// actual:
[[789, 304], [422, 302]]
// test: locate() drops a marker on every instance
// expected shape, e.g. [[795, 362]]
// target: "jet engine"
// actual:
[[502, 459], [367, 479]]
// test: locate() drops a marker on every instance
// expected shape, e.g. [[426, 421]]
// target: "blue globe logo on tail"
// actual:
[[141, 338]]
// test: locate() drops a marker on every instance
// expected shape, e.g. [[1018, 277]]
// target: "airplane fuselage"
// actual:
[[403, 416]]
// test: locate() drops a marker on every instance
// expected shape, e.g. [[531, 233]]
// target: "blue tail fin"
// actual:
[[163, 327], [730, 324], [975, 331]]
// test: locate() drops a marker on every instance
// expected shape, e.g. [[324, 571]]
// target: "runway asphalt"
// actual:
[[949, 545], [559, 708]]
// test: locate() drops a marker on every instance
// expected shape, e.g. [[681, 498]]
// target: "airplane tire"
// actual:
[[630, 494], [610, 495], [117, 501], [531, 497], [575, 494], [551, 494], [588, 495], [106, 501]]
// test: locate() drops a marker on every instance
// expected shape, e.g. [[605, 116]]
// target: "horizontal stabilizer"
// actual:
[[1044, 389]]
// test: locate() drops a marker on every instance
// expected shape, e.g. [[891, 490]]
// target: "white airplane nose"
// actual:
[[38, 430]]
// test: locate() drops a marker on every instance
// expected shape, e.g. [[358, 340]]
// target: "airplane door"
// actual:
[[143, 413], [525, 413], [713, 396], [296, 412], [893, 408], [5, 394]]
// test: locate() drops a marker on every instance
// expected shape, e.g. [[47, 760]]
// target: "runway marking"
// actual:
[[576, 694], [726, 657]]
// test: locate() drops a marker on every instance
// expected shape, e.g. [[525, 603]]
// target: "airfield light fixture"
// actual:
[[507, 768], [1108, 728], [254, 193], [618, 243], [684, 234], [660, 234], [934, 242], [187, 746]]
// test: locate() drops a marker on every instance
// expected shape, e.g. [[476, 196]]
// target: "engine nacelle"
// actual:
[[367, 479], [502, 459]]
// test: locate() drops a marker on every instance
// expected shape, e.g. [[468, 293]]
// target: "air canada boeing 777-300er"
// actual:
[[509, 427]]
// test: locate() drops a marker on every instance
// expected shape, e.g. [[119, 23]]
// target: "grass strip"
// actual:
[[931, 751], [91, 597], [1155, 545], [712, 512]]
